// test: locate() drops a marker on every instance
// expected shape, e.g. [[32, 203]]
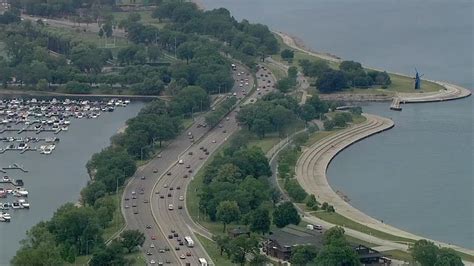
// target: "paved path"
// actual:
[[311, 174]]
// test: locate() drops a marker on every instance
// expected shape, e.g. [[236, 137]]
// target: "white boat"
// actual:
[[20, 192], [5, 217], [64, 128], [25, 204]]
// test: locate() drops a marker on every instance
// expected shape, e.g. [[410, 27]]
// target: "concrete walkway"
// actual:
[[311, 174]]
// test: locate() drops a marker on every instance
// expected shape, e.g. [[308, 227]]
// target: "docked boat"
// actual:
[[20, 192], [5, 217], [16, 205], [24, 203]]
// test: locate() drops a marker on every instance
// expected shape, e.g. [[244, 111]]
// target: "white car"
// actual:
[[170, 207], [152, 262], [181, 198]]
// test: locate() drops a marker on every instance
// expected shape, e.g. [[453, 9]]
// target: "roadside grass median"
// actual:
[[337, 219], [214, 251]]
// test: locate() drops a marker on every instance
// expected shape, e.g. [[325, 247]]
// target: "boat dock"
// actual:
[[15, 166], [395, 104]]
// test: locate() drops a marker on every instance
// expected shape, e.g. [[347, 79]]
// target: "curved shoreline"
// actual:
[[312, 166], [451, 91]]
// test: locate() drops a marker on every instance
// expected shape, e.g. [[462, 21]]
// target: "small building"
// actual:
[[368, 256], [238, 232], [277, 250]]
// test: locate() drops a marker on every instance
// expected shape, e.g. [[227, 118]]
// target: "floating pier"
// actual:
[[15, 166], [395, 104]]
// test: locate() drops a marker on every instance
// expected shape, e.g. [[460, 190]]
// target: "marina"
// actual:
[[55, 179], [24, 116]]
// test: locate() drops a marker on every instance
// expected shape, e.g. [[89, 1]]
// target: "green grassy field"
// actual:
[[399, 83], [145, 18], [338, 219], [213, 251], [118, 221]]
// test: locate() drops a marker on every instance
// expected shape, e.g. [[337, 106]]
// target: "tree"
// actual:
[[311, 201], [223, 242], [425, 252], [303, 254], [261, 127], [130, 239], [259, 260], [336, 250], [227, 212], [350, 66], [260, 221], [287, 54], [42, 85], [284, 85], [292, 72], [241, 246], [331, 81], [448, 257], [110, 255], [286, 214], [92, 192]]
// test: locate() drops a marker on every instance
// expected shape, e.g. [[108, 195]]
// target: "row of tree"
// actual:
[[246, 38], [74, 231], [350, 74]]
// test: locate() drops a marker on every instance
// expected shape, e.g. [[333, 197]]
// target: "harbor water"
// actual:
[[55, 179], [419, 175]]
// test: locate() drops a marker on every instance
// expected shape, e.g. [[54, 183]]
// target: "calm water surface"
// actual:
[[57, 178], [419, 175]]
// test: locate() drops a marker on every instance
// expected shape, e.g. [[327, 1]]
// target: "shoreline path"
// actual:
[[311, 174]]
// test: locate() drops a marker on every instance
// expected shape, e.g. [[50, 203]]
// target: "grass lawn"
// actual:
[[81, 260], [317, 136], [399, 83], [213, 251], [265, 144], [277, 71], [399, 255], [137, 258], [338, 219], [118, 221], [145, 18]]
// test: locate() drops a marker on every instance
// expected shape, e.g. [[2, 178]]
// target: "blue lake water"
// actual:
[[58, 178], [419, 175]]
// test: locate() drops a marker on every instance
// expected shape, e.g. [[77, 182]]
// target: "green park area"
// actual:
[[398, 83]]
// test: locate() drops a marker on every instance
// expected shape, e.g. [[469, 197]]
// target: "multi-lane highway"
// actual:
[[155, 204]]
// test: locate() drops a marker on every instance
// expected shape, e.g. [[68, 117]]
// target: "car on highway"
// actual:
[[188, 254], [133, 192], [169, 173], [162, 196], [176, 235], [170, 236], [126, 206], [190, 170], [142, 177], [152, 245], [178, 187], [213, 141], [180, 207], [159, 155], [181, 198], [152, 262], [153, 237], [188, 166], [171, 188], [190, 153], [135, 212], [127, 198], [145, 201], [185, 176], [148, 226], [148, 253], [182, 257], [169, 195], [165, 186], [155, 171], [170, 207], [177, 248]]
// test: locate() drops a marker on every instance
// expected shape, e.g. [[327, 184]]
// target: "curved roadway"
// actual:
[[163, 174]]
